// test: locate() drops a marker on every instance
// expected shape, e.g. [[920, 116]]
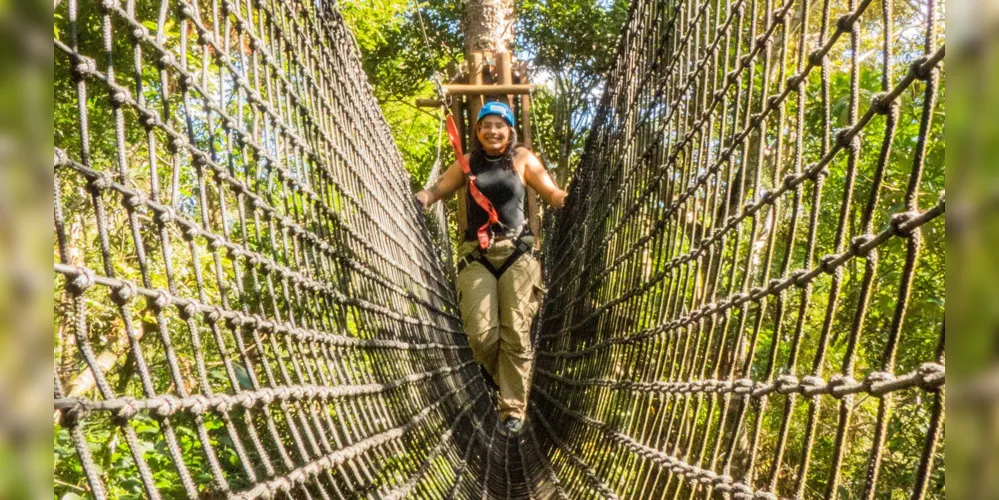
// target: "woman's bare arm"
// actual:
[[541, 182], [447, 184]]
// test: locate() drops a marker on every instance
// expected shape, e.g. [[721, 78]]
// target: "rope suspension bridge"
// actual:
[[266, 313]]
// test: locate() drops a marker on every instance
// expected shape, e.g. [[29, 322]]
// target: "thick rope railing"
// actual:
[[693, 343], [250, 305]]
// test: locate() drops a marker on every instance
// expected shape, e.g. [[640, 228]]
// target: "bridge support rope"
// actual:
[[745, 286]]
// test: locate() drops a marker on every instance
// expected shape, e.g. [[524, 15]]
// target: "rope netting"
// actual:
[[247, 288], [249, 304], [746, 285]]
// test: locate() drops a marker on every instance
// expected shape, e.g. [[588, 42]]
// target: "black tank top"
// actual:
[[504, 189]]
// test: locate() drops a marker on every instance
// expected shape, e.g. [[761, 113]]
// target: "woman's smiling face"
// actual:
[[494, 134]]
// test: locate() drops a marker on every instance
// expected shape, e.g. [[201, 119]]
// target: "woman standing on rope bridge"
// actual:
[[499, 277]]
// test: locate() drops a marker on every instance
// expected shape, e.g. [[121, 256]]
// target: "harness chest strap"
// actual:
[[483, 231]]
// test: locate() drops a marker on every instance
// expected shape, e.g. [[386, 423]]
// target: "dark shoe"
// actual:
[[512, 426]]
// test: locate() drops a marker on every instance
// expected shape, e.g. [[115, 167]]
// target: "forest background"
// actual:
[[569, 46]]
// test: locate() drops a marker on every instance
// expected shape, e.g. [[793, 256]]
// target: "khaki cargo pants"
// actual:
[[497, 316]]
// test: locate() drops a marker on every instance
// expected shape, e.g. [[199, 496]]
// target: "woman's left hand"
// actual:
[[558, 199]]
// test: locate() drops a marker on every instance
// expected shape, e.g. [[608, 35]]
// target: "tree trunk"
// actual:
[[488, 25]]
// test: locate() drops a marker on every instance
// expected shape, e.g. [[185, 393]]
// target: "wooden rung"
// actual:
[[429, 103], [460, 89]]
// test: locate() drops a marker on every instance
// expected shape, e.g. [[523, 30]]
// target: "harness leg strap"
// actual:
[[476, 256]]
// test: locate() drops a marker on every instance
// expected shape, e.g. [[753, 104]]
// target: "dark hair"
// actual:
[[478, 158]]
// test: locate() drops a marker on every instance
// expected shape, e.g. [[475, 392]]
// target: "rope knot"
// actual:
[[773, 101], [119, 96], [795, 82], [266, 396], [163, 215], [787, 384], [197, 404], [234, 322], [168, 406], [81, 281], [125, 412], [219, 403], [900, 223], [812, 385], [861, 245], [816, 58], [101, 181], [59, 158], [160, 301], [767, 196], [840, 385], [213, 315], [742, 386], [123, 293], [723, 483], [845, 23], [882, 103], [790, 181], [186, 11], [134, 201], [185, 82], [931, 376], [815, 172], [205, 38], [215, 242], [71, 416], [879, 383], [828, 264], [848, 139], [762, 41], [245, 400], [139, 33], [186, 309], [147, 118], [166, 60], [920, 70], [190, 231], [799, 278], [742, 492], [83, 67], [234, 253], [175, 146]]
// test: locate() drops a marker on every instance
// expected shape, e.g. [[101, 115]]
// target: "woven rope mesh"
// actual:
[[741, 303]]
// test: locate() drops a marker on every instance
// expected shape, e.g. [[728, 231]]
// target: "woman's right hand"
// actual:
[[452, 179], [424, 198]]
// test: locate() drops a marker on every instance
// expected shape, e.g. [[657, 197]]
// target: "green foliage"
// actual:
[[570, 45], [400, 66]]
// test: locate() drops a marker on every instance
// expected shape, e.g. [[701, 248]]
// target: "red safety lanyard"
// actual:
[[483, 232]]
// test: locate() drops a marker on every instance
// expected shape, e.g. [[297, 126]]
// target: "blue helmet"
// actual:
[[499, 109]]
